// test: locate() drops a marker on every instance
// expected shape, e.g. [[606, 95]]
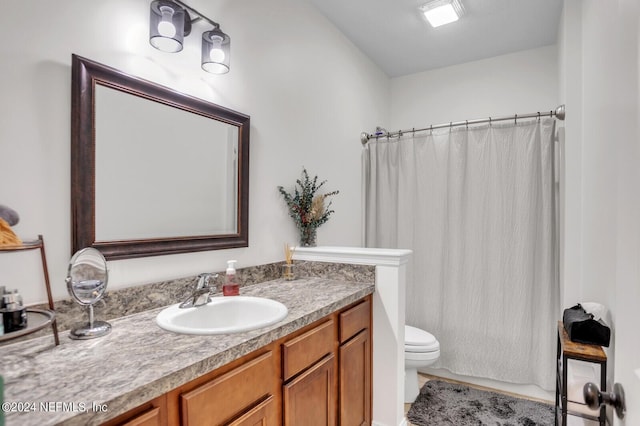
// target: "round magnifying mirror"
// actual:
[[87, 278]]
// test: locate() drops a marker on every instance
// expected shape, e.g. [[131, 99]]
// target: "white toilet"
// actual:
[[421, 349]]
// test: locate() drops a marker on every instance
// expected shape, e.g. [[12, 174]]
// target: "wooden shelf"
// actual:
[[577, 350], [26, 245], [41, 318]]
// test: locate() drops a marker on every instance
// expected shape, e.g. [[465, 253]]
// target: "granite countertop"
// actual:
[[139, 361]]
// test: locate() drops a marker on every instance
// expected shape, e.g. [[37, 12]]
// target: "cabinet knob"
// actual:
[[595, 399]]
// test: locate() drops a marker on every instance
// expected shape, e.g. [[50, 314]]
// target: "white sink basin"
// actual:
[[231, 314]]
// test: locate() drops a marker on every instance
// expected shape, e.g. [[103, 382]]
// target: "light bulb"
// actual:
[[216, 53], [166, 27]]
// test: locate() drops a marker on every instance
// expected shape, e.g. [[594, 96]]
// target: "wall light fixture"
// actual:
[[441, 12], [170, 22]]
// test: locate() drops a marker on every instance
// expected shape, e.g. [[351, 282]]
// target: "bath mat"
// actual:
[[441, 403]]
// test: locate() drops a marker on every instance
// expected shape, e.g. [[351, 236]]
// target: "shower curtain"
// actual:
[[477, 207]]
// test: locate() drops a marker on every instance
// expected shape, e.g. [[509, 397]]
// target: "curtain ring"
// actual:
[[466, 123], [515, 119], [490, 122], [538, 115], [414, 131], [431, 129]]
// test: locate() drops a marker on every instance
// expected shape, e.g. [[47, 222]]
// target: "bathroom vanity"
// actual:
[[311, 374], [314, 364]]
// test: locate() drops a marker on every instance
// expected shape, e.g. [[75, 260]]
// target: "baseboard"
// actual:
[[402, 423], [528, 391]]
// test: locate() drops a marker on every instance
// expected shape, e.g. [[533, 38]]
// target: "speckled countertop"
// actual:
[[139, 361]]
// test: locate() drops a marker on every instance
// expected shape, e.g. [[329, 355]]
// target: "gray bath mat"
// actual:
[[442, 403]]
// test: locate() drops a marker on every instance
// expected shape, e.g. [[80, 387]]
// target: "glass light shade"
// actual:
[[215, 51], [441, 12], [166, 26]]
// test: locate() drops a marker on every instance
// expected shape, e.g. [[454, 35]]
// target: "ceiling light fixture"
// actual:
[[441, 12], [215, 51], [170, 22]]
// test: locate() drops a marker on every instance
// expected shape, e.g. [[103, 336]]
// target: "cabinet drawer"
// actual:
[[222, 398], [301, 352], [354, 320]]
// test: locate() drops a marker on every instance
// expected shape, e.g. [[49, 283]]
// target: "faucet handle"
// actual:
[[203, 280]]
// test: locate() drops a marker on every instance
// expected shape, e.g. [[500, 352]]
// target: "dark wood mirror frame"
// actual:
[[85, 75]]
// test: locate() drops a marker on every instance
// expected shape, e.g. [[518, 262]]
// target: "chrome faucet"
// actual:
[[201, 293]]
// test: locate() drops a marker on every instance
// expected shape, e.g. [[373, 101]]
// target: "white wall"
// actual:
[[601, 83], [308, 91], [517, 83]]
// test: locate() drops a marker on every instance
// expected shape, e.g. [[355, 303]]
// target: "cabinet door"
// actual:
[[310, 398], [264, 414], [355, 380], [148, 418]]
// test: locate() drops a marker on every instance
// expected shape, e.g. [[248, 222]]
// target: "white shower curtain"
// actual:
[[477, 207]]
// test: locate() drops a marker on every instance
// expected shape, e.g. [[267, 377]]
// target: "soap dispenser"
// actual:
[[231, 286]]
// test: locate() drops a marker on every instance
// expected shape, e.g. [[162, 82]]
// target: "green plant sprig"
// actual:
[[305, 207]]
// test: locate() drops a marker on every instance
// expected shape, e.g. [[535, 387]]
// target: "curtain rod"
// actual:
[[559, 113]]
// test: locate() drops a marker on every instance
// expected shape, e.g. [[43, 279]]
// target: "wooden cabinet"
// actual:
[[355, 380], [231, 395], [263, 414], [355, 366], [319, 375], [153, 413], [301, 352], [309, 392], [310, 398], [152, 417]]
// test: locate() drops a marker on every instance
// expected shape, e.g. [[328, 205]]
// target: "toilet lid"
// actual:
[[417, 340]]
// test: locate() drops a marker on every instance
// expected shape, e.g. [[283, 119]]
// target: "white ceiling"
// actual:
[[396, 37]]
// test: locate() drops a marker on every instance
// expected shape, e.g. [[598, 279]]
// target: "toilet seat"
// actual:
[[419, 341], [421, 356]]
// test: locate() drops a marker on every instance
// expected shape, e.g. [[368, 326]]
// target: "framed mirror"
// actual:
[[154, 171]]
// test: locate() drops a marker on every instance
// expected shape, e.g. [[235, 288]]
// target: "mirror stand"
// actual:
[[91, 329], [87, 279]]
